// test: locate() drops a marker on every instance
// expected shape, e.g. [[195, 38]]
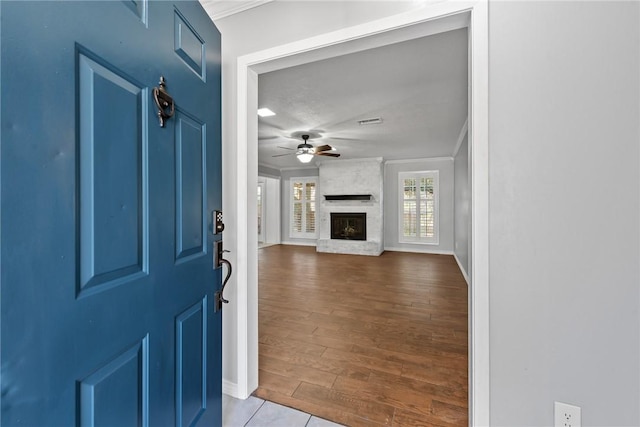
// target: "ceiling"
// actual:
[[418, 88]]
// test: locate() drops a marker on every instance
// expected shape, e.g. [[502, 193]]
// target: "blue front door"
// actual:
[[107, 278]]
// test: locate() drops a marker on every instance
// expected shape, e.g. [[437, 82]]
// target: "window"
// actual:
[[260, 211], [303, 208], [418, 207]]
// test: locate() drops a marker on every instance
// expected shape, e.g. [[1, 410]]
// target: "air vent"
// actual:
[[374, 121]]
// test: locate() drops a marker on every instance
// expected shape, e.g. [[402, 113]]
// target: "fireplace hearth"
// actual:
[[349, 226]]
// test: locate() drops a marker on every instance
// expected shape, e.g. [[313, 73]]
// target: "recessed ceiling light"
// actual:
[[265, 112]]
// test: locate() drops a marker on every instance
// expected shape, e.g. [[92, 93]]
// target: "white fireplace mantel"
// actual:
[[352, 177]]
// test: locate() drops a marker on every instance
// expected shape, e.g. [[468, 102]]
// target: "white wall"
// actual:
[[564, 211], [564, 111], [462, 207], [391, 203]]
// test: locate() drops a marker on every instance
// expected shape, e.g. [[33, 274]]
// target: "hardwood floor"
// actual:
[[364, 341]]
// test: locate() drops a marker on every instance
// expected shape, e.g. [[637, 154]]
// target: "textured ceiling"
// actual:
[[418, 88]]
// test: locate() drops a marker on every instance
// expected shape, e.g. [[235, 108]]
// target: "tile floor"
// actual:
[[255, 412]]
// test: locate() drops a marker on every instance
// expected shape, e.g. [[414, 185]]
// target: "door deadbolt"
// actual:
[[218, 225]]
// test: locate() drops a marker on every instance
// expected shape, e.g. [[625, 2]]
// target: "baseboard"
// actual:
[[291, 242], [419, 250], [230, 389], [464, 273]]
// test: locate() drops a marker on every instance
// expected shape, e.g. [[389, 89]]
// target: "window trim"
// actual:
[[302, 235], [435, 240]]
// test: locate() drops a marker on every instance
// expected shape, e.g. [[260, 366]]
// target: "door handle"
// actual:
[[218, 262], [226, 279]]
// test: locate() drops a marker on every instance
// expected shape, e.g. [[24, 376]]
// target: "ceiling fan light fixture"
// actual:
[[306, 152], [305, 157]]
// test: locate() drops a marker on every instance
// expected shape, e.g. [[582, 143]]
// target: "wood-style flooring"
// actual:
[[364, 341]]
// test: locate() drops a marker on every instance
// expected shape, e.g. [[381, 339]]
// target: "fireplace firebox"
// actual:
[[349, 226]]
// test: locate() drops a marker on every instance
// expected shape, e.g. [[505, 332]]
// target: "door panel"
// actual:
[[122, 383], [191, 363], [189, 45], [139, 8], [113, 176], [191, 186], [107, 280]]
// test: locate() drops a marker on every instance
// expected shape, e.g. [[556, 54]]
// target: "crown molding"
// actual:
[[221, 9], [463, 132], [424, 159], [296, 168], [343, 161], [266, 165]]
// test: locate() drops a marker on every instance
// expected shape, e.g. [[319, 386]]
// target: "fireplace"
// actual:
[[349, 226]]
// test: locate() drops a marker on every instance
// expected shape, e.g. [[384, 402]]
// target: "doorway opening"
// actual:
[[331, 327], [405, 26]]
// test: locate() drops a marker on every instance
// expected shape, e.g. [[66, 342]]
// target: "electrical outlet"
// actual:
[[566, 415]]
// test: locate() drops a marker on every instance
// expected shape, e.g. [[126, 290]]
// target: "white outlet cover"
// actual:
[[566, 415]]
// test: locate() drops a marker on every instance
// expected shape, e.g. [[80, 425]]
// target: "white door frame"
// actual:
[[248, 67]]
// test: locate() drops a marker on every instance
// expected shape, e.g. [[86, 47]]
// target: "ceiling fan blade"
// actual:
[[324, 148], [266, 138], [286, 148], [280, 155], [344, 139], [325, 153]]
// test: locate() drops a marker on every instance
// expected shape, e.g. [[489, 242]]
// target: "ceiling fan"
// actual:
[[306, 151]]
